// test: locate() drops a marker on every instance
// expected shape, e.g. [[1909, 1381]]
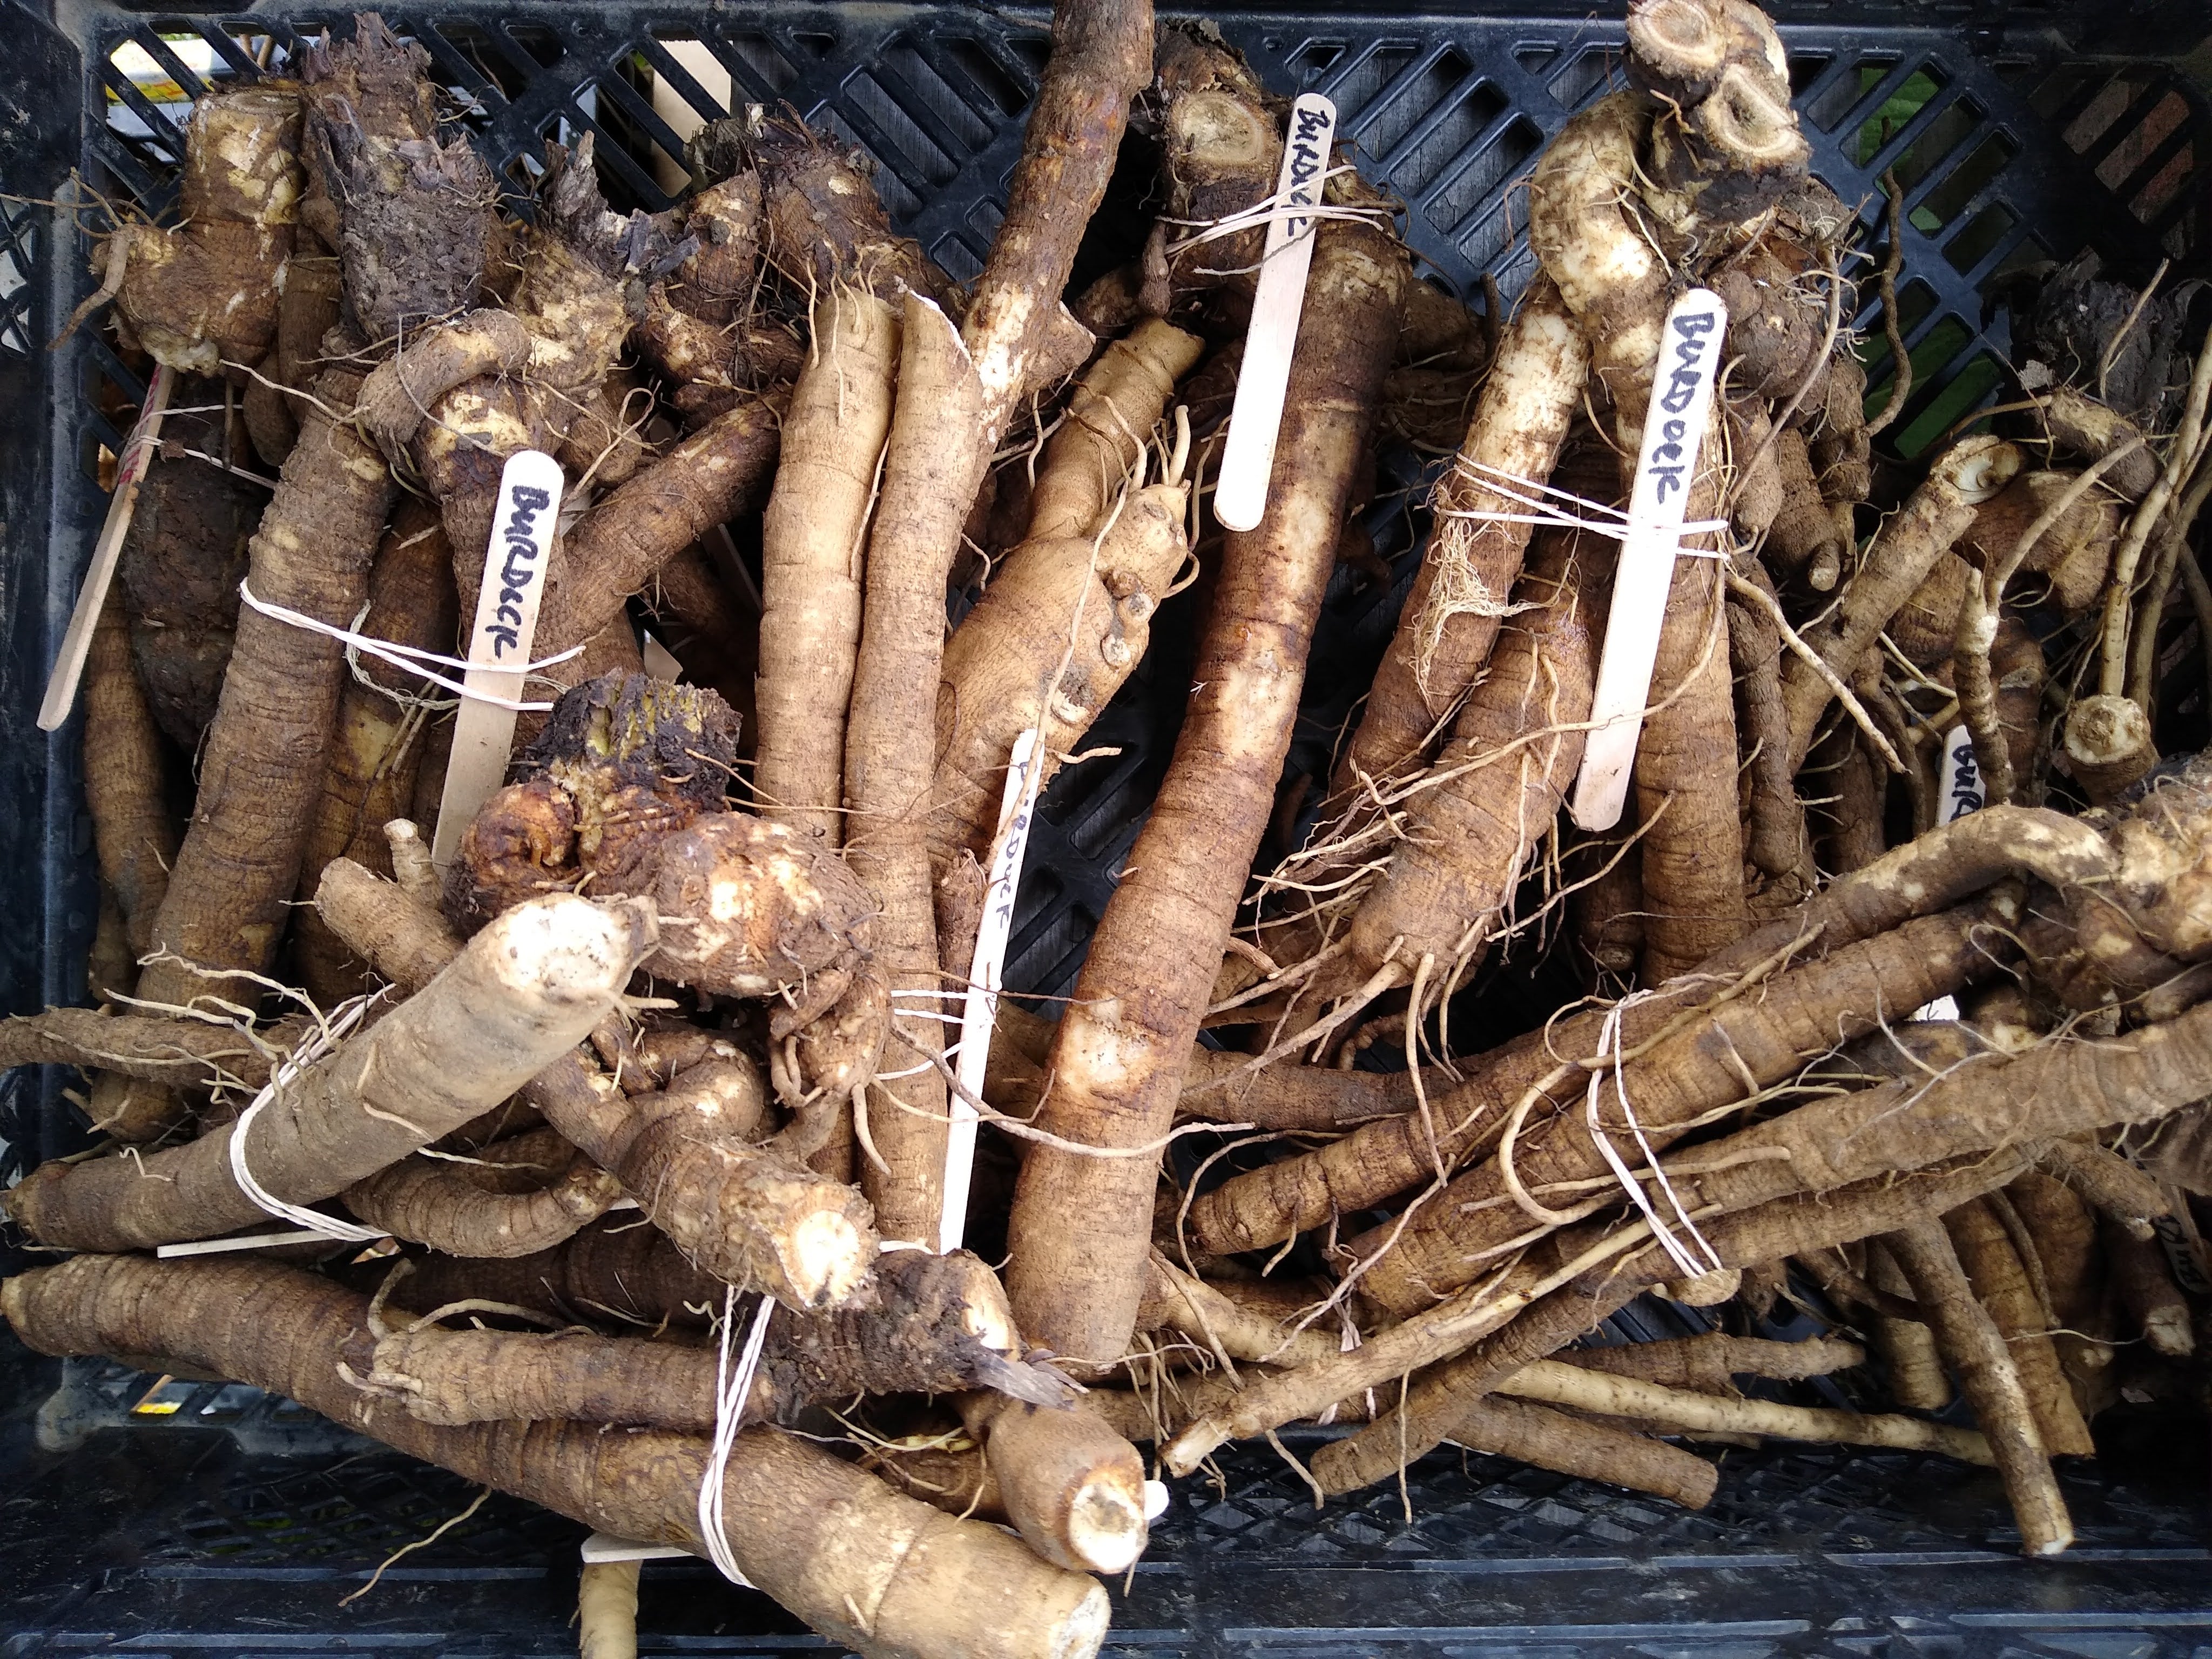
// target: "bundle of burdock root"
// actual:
[[704, 955]]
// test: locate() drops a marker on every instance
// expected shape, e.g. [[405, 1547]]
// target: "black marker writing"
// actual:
[[516, 574], [1306, 164], [1966, 783], [1670, 457]]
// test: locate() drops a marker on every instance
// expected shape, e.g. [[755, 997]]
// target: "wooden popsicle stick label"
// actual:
[[604, 1548], [1024, 773], [499, 644], [100, 575], [1962, 794], [1962, 776], [1674, 429], [1248, 458]]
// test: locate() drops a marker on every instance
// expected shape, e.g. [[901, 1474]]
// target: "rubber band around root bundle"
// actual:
[[1285, 204], [1457, 587], [731, 1390], [319, 1043], [410, 659]]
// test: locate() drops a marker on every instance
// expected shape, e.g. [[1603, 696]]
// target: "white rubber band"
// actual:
[[321, 1042], [1609, 1041], [1651, 1161], [1550, 507], [408, 657], [730, 1388], [1282, 204]]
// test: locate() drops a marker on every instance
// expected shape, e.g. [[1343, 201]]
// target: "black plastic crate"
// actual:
[[201, 1518]]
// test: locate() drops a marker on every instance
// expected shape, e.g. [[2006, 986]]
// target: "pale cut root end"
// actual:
[[2169, 1332], [2108, 745], [1744, 122], [1106, 1526], [992, 1325], [1980, 468], [823, 1259], [1679, 38], [564, 949], [1083, 1632]]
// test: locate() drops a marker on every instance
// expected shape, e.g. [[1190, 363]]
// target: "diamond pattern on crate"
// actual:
[[1462, 1505], [1455, 140], [2002, 162], [1816, 1501], [354, 1509], [1449, 114], [20, 251]]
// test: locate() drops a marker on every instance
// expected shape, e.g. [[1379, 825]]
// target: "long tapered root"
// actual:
[[525, 990], [869, 1567]]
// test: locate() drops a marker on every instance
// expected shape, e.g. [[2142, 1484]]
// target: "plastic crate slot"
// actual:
[[195, 77], [899, 200], [1957, 393], [1979, 238], [1891, 95], [2105, 127], [983, 220], [1401, 119], [994, 83], [111, 395], [2027, 251], [674, 71], [623, 178], [1040, 908], [634, 143], [1051, 958], [2093, 123], [1917, 301], [1486, 243], [536, 41], [1031, 47], [1447, 141], [1356, 81], [1942, 132], [2133, 162], [1588, 72], [1958, 189], [524, 171], [1914, 147], [2161, 197], [1101, 822], [1314, 59], [1806, 68], [690, 82], [118, 169], [755, 62], [1842, 82], [1482, 169], [957, 256], [2060, 91], [247, 51], [18, 258], [933, 103], [471, 49], [148, 127]]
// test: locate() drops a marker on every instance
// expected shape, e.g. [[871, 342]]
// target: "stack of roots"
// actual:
[[1866, 1047]]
